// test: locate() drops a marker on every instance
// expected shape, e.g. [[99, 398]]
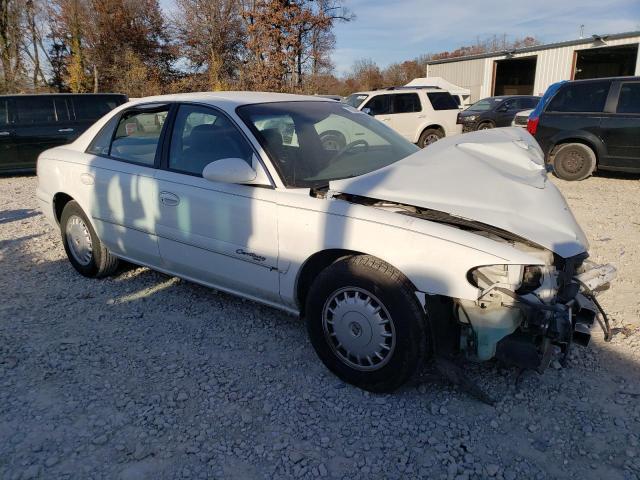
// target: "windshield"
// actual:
[[312, 143], [485, 104], [356, 99]]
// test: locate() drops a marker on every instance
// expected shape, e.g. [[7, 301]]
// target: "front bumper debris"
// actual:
[[551, 329]]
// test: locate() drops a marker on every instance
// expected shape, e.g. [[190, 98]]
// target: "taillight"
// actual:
[[458, 119], [532, 125]]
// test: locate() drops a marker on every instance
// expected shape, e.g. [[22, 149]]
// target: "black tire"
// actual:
[[486, 126], [333, 141], [573, 161], [394, 292], [99, 262], [429, 136]]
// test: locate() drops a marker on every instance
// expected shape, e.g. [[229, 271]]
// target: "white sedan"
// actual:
[[390, 253]]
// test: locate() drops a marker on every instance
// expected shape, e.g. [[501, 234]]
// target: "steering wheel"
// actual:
[[351, 146]]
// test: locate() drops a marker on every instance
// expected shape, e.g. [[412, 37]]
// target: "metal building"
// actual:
[[527, 71]]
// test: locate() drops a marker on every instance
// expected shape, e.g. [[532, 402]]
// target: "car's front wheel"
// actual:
[[84, 249], [365, 323]]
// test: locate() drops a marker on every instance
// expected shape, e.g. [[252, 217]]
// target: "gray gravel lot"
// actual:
[[147, 376]]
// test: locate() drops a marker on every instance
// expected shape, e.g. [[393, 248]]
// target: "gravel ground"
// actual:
[[146, 376]]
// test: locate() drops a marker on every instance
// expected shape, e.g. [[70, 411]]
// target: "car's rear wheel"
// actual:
[[573, 161], [486, 126], [84, 249], [429, 136], [365, 323]]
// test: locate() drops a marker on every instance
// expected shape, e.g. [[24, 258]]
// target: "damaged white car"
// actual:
[[391, 254]]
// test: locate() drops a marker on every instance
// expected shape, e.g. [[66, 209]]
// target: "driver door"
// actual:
[[216, 233]]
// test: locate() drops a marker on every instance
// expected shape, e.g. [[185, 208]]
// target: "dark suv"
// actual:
[[30, 124], [590, 124], [494, 112]]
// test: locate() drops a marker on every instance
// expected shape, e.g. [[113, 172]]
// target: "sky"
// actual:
[[389, 31]]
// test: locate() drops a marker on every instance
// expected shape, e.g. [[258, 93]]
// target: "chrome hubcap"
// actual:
[[79, 240], [358, 328]]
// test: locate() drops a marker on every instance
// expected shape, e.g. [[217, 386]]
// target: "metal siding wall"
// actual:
[[552, 66]]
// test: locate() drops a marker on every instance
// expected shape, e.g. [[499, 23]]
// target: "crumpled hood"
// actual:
[[494, 176]]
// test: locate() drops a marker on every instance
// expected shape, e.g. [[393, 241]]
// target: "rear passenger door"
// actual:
[[9, 156], [121, 176], [405, 115], [620, 126], [41, 122]]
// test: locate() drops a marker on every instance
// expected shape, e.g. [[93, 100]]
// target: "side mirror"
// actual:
[[367, 110], [229, 170]]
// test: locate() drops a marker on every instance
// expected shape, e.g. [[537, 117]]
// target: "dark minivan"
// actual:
[[590, 124], [494, 112], [30, 124]]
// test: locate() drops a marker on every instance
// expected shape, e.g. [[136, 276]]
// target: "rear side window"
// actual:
[[379, 105], [629, 99], [580, 97], [61, 106], [442, 101], [102, 141], [406, 103], [34, 110], [4, 112], [92, 107], [137, 136]]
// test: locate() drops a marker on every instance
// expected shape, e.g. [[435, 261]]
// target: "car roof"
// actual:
[[21, 95], [230, 99], [401, 90]]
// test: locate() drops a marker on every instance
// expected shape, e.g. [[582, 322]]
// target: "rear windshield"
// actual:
[[485, 104], [442, 101], [356, 99]]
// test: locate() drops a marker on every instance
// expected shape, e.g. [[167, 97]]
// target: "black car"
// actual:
[[494, 112], [30, 124], [590, 124]]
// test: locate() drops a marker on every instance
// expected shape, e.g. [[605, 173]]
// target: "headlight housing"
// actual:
[[521, 279], [471, 118]]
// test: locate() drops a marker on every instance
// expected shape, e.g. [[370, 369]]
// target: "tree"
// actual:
[[210, 37], [11, 40]]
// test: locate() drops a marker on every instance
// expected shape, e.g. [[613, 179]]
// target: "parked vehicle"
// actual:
[[386, 250], [521, 119], [494, 112], [30, 124], [590, 124], [421, 115]]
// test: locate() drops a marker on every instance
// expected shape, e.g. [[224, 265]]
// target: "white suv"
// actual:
[[421, 115]]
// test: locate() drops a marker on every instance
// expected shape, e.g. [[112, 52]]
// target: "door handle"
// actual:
[[65, 130], [169, 199], [385, 119], [5, 134]]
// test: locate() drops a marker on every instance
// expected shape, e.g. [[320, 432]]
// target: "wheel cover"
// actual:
[[79, 240], [330, 143], [431, 138], [358, 328], [485, 126], [573, 161]]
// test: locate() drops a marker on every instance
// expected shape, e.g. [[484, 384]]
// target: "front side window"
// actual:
[[580, 97], [406, 103], [137, 135], [527, 103], [629, 99], [34, 110], [203, 135], [379, 105], [443, 101], [329, 141]]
